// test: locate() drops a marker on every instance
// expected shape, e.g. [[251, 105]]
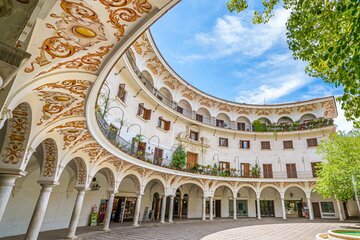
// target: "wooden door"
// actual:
[[158, 156], [291, 170], [316, 209], [218, 208], [191, 160], [245, 168], [268, 173]]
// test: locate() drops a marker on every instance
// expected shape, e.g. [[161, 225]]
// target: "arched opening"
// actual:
[[223, 199], [148, 81], [270, 202], [285, 120], [165, 96], [295, 202], [223, 120], [246, 202], [184, 107], [264, 120], [125, 199], [153, 194], [307, 118], [243, 124], [203, 115], [187, 200]]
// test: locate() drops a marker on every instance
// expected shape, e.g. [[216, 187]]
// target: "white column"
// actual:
[[340, 210], [234, 207], [171, 209], [258, 207], [283, 207], [37, 218], [204, 209], [311, 212], [76, 214], [163, 209], [137, 210], [7, 182], [109, 208], [211, 208]]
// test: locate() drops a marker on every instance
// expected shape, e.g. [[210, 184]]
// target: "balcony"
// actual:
[[156, 159], [241, 127]]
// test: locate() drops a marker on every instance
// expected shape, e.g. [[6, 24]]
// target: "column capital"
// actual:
[[79, 189], [140, 194], [12, 172], [112, 191], [45, 183]]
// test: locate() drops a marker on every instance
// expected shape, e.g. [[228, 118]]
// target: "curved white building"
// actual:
[[91, 120]]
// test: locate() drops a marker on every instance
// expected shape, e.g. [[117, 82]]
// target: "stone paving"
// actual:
[[242, 229]]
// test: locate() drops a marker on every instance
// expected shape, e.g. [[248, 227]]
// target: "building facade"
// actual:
[[92, 119]]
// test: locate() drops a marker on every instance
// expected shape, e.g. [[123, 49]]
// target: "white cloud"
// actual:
[[236, 35], [341, 122]]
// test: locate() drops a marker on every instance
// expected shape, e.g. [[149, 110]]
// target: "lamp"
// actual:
[[291, 195], [95, 186]]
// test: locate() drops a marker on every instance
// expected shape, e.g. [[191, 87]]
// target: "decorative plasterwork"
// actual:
[[77, 28], [142, 46], [330, 111], [50, 158], [72, 132], [17, 134], [81, 171]]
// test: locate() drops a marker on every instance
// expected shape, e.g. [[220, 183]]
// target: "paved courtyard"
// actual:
[[242, 229]]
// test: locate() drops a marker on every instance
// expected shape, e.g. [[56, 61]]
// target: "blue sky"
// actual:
[[227, 56]]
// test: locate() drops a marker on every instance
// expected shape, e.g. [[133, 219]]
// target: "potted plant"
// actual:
[[179, 158], [255, 171]]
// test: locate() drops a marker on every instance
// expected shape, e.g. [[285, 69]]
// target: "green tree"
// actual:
[[326, 35], [342, 154], [179, 158]]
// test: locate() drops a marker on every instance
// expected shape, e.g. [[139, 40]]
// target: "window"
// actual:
[[159, 97], [245, 169], [220, 123], [291, 170], [143, 112], [163, 124], [268, 171], [199, 117], [327, 209], [122, 93], [312, 142], [241, 126], [223, 142], [194, 135], [265, 145], [314, 168], [288, 144], [158, 156], [179, 109], [224, 166], [245, 144]]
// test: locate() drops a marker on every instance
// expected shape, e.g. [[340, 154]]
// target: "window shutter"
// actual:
[[140, 109], [121, 92], [167, 125], [147, 114], [248, 144]]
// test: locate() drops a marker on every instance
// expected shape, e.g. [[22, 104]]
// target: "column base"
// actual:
[[162, 222], [106, 229], [71, 237], [136, 225]]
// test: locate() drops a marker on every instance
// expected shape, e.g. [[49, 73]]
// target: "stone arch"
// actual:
[[307, 117], [246, 186], [79, 166], [223, 120], [270, 186], [178, 186], [243, 123], [223, 116], [134, 177], [167, 94], [225, 185], [49, 158], [155, 178], [285, 120], [15, 140], [293, 186], [264, 120], [149, 79], [206, 115], [108, 171], [185, 105]]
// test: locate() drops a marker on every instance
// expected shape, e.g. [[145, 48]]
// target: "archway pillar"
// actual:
[[204, 208], [211, 208], [137, 209], [309, 205], [109, 208], [234, 207], [258, 205], [282, 196], [341, 217], [171, 208], [7, 183], [37, 218], [163, 208], [76, 213]]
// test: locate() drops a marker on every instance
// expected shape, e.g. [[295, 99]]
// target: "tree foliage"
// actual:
[[326, 35], [179, 158], [342, 154]]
